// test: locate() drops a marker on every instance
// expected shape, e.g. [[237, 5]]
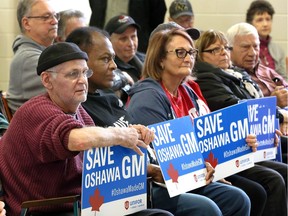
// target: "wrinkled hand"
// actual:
[[225, 181], [129, 138], [2, 210], [282, 94], [155, 173], [252, 142], [277, 135], [210, 171], [284, 128], [144, 133], [284, 124]]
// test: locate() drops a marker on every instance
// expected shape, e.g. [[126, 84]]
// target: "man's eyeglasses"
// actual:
[[182, 53], [47, 17], [75, 74], [218, 50]]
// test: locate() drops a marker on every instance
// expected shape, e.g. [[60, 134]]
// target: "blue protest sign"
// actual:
[[262, 119], [221, 138], [113, 181], [179, 155], [282, 140]]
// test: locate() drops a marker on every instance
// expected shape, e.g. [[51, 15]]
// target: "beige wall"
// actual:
[[216, 14], [8, 30]]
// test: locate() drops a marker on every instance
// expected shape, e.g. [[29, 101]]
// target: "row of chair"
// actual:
[[5, 110]]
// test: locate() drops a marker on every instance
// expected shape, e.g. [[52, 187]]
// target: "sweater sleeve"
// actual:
[[48, 131]]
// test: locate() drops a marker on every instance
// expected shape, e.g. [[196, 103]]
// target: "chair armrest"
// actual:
[[50, 201], [75, 199]]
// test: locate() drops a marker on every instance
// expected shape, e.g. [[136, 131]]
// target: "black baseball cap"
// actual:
[[193, 32], [119, 24], [180, 8]]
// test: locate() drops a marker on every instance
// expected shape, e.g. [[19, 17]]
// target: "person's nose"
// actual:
[[189, 58], [130, 42], [265, 22], [112, 64], [54, 20], [252, 51], [82, 78], [224, 51]]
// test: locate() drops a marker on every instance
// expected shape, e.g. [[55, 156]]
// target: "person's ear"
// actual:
[[162, 65], [46, 80], [25, 24]]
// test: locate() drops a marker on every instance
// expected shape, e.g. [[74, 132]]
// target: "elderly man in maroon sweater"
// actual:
[[41, 152]]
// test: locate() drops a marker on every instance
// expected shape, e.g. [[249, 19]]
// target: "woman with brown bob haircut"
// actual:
[[165, 94]]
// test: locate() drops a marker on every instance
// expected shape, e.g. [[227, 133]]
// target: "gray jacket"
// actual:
[[24, 83]]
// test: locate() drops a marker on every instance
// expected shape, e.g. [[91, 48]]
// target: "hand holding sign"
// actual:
[[129, 138], [145, 134], [210, 171], [252, 142]]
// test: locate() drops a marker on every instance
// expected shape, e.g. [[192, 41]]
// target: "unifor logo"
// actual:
[[126, 204]]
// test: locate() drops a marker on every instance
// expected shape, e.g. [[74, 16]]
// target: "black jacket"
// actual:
[[219, 88]]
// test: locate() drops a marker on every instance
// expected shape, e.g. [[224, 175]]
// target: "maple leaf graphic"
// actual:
[[96, 200], [173, 173], [212, 160]]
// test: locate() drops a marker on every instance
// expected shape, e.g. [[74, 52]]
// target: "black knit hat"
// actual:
[[119, 24], [59, 53]]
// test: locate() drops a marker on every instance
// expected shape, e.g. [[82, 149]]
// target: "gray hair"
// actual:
[[240, 29], [23, 9], [64, 17]]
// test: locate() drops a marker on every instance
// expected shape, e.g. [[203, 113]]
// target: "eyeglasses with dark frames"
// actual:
[[182, 53], [75, 74], [218, 50], [47, 17]]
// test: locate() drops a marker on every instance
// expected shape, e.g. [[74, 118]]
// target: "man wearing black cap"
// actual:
[[181, 12], [123, 35], [40, 153]]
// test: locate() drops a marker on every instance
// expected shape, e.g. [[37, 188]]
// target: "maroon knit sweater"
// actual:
[[34, 160]]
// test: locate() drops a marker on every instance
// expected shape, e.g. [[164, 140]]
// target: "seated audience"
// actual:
[[223, 86], [260, 15], [107, 110], [38, 23], [181, 12], [163, 95], [45, 141]]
